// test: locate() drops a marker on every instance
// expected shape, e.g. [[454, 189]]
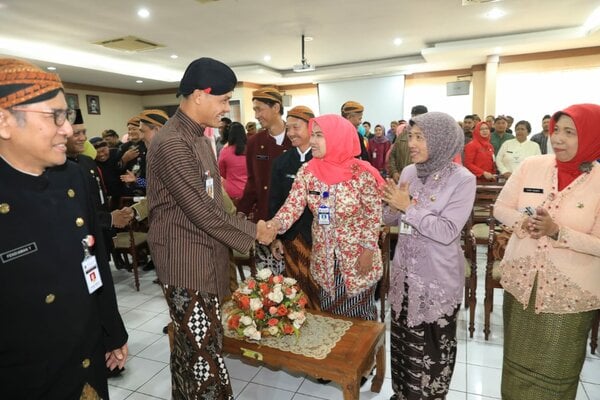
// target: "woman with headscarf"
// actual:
[[479, 153], [342, 193], [431, 204], [379, 146], [551, 266]]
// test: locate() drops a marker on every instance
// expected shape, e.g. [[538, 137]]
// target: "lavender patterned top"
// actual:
[[430, 259]]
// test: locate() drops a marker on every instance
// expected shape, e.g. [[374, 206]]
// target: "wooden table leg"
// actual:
[[351, 390], [377, 381]]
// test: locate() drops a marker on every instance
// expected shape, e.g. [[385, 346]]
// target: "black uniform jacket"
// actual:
[[283, 174], [54, 332]]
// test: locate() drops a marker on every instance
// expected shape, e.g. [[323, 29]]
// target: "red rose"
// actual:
[[264, 288], [251, 284], [244, 302], [288, 329], [282, 310], [302, 301], [272, 322], [260, 314], [234, 321]]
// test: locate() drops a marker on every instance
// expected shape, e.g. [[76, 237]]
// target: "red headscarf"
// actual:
[[342, 145], [485, 142], [587, 122]]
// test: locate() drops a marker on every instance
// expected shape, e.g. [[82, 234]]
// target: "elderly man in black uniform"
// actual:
[[295, 244], [62, 327]]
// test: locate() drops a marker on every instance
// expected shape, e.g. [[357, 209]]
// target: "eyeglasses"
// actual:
[[60, 116]]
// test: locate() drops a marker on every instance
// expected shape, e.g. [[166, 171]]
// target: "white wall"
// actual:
[[431, 92], [530, 95], [382, 97]]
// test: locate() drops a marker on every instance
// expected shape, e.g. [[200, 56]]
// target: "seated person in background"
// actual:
[[479, 154], [379, 146], [514, 151], [343, 195]]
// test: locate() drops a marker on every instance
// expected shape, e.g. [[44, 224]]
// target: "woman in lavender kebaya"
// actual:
[[431, 203]]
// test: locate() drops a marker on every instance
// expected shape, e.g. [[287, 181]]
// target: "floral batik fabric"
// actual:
[[423, 356], [197, 365]]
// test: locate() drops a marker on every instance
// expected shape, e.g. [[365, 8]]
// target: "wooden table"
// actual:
[[353, 357]]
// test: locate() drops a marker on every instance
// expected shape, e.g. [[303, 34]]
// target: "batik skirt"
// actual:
[[297, 266], [338, 302], [197, 366], [543, 353], [423, 356]]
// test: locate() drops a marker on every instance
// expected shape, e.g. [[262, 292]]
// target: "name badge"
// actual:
[[209, 184], [533, 190], [323, 215], [262, 157], [91, 273], [405, 229], [316, 193]]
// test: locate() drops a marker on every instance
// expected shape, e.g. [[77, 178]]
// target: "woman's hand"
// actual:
[[396, 196], [364, 262], [541, 224], [488, 176], [128, 177]]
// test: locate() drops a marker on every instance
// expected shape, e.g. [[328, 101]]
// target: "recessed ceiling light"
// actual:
[[308, 38], [139, 81], [397, 42], [267, 58], [174, 56], [143, 13], [495, 13], [51, 68]]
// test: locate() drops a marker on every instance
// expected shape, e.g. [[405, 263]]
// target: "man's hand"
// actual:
[[128, 177], [122, 217], [506, 175], [490, 177], [130, 155], [265, 233], [277, 249], [117, 357]]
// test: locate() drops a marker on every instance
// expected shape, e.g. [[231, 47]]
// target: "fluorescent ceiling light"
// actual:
[[592, 23], [143, 13], [139, 81], [495, 13]]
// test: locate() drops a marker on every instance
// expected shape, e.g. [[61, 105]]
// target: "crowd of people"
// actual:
[[311, 194]]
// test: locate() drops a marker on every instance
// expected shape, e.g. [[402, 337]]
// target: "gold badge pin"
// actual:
[[580, 205], [4, 208], [79, 222], [71, 193], [432, 198]]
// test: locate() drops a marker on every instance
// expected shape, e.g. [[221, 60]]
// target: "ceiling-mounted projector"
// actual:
[[305, 66]]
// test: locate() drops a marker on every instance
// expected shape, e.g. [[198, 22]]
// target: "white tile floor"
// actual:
[[476, 375]]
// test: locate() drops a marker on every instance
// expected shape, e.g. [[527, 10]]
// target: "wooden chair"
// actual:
[[132, 243], [470, 254], [240, 260], [497, 241], [384, 286], [594, 334]]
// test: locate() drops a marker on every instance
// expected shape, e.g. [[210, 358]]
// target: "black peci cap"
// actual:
[[207, 73]]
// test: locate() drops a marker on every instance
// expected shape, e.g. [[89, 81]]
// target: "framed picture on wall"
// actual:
[[93, 104], [72, 100]]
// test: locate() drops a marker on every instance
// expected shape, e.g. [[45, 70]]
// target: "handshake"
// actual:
[[122, 217], [267, 231]]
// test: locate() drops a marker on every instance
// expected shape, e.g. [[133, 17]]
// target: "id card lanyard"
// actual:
[[89, 265]]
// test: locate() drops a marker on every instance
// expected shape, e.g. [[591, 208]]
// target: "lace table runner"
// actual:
[[318, 335]]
